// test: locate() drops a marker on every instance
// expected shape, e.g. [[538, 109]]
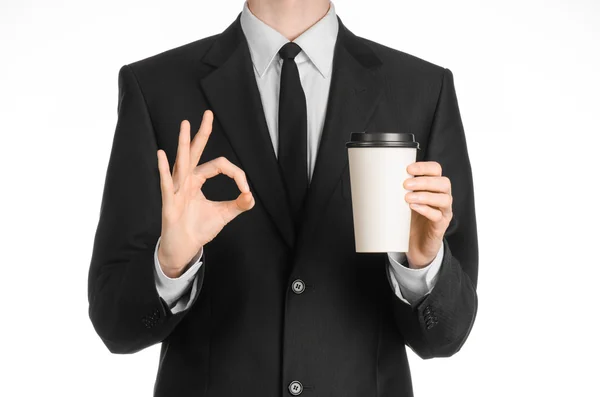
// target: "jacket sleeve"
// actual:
[[124, 305], [440, 322]]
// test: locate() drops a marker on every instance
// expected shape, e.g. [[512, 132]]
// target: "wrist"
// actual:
[[418, 263], [422, 260], [167, 266], [171, 271]]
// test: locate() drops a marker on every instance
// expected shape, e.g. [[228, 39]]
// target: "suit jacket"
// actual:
[[247, 332]]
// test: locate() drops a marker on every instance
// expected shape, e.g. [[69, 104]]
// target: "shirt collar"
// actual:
[[317, 42]]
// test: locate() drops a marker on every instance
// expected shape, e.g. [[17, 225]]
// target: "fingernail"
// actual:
[[410, 183]]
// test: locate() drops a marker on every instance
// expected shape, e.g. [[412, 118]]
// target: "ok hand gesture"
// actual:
[[189, 220]]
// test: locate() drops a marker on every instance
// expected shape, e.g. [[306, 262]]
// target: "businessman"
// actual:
[[250, 280]]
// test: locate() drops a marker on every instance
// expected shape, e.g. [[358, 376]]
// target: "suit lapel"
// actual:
[[355, 90], [233, 95]]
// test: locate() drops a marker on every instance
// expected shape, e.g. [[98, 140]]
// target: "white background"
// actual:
[[527, 75]]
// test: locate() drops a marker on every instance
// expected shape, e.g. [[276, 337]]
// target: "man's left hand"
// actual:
[[431, 202]]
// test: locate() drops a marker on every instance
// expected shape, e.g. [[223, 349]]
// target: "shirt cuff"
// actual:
[[173, 289], [410, 285]]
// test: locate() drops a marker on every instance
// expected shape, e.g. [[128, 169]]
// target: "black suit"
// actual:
[[247, 333]]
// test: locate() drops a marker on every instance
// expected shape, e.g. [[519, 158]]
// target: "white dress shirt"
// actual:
[[314, 66]]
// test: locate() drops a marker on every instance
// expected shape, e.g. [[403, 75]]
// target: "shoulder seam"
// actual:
[[137, 83], [437, 106]]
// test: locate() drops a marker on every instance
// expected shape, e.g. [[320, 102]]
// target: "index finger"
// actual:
[[222, 165], [432, 168], [200, 139]]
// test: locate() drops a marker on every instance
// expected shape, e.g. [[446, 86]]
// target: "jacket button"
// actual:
[[298, 286], [295, 388]]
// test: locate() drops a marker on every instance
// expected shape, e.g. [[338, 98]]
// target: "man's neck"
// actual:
[[289, 17]]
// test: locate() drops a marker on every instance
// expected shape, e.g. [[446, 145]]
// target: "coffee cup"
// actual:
[[381, 215]]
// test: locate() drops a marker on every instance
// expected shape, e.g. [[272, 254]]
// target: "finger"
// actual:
[[181, 167], [441, 201], [428, 183], [432, 168], [221, 165], [200, 139], [166, 182], [433, 214], [233, 208]]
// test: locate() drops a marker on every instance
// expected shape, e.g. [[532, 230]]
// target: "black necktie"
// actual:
[[292, 131]]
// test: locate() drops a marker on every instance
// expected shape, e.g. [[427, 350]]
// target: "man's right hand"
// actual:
[[189, 220]]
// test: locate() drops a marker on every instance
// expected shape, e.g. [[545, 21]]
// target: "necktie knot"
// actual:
[[289, 50]]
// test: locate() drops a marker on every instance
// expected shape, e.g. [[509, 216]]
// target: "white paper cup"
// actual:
[[378, 164]]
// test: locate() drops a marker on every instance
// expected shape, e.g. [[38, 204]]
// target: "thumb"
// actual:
[[242, 203]]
